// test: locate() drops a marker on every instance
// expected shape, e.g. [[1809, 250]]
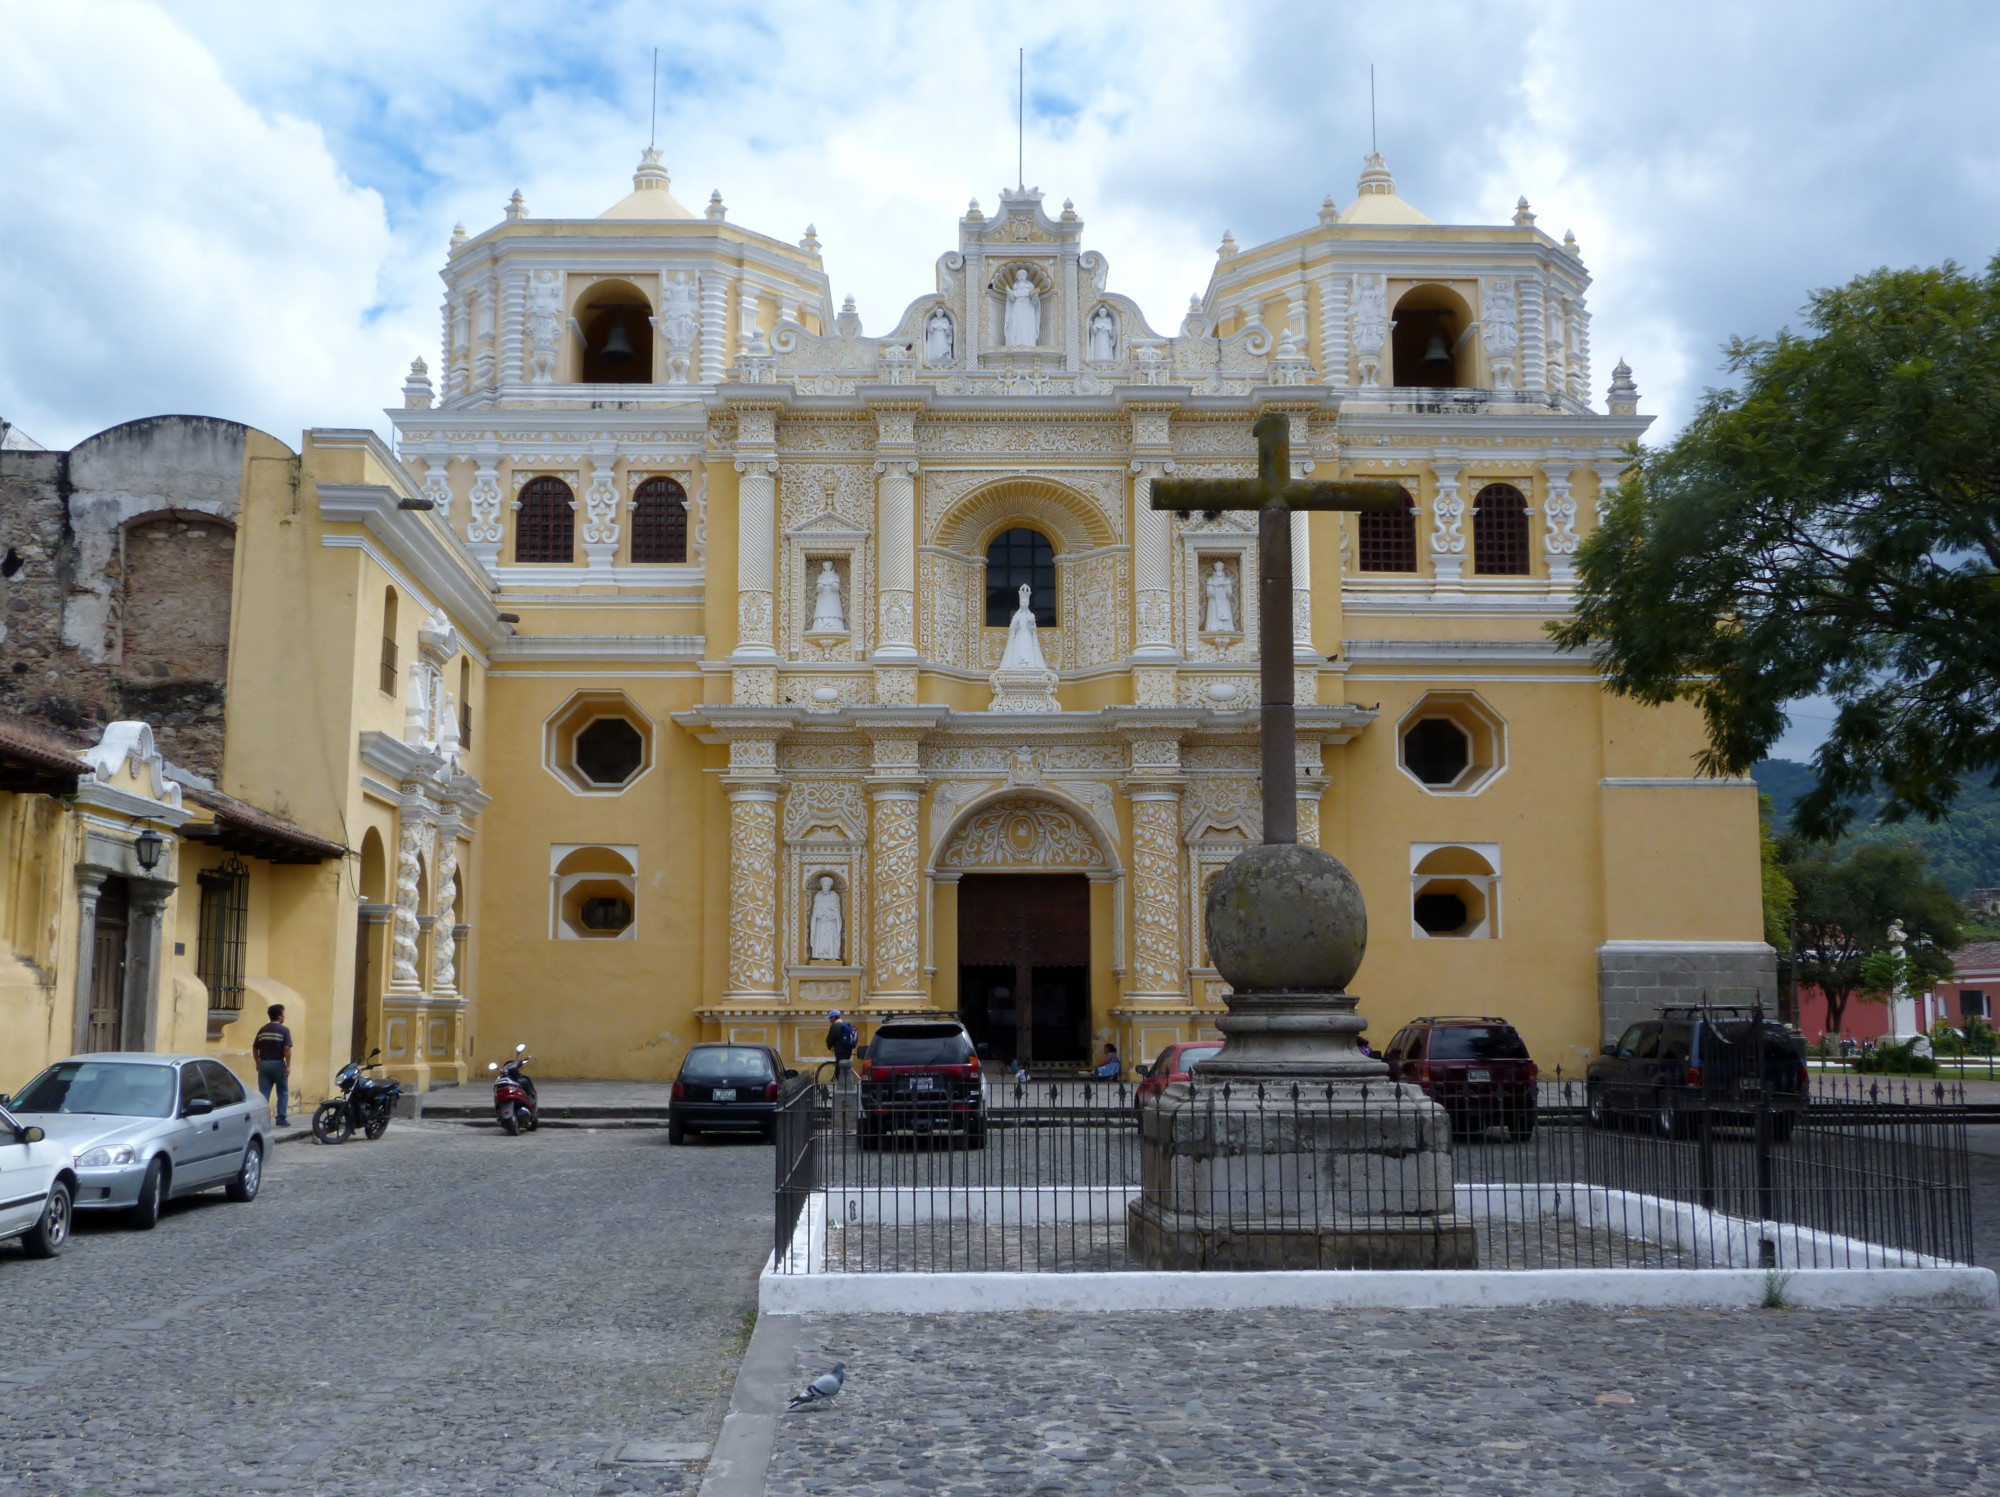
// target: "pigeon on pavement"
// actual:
[[821, 1389]]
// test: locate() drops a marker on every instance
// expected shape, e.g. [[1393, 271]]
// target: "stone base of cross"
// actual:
[[1274, 494]]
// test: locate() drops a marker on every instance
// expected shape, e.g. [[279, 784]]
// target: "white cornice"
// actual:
[[535, 648], [1452, 651], [423, 545]]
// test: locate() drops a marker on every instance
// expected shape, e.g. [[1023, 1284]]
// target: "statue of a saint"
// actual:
[[1221, 617], [1103, 336], [1024, 313], [937, 337], [1024, 651], [828, 616], [825, 928]]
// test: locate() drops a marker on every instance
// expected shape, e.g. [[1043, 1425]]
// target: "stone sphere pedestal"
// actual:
[[1290, 1148]]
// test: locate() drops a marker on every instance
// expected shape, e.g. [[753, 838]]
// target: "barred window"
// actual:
[[1016, 558], [544, 528], [659, 521], [225, 910], [1500, 531], [1389, 538]]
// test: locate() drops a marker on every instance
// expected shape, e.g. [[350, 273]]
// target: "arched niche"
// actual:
[[614, 324], [1432, 320], [374, 869]]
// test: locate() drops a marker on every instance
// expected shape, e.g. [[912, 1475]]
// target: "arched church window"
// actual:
[[1389, 538], [1500, 531], [659, 521], [1020, 557], [545, 526]]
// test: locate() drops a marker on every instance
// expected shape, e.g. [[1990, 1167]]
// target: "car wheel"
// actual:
[[867, 1135], [676, 1131], [377, 1124], [145, 1212], [975, 1134], [249, 1175], [1667, 1122], [1594, 1106], [1782, 1124], [1521, 1125], [331, 1124], [50, 1234]]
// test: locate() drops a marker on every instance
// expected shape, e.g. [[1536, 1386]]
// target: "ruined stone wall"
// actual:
[[117, 562]]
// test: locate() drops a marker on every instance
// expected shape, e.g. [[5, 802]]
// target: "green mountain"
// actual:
[[1964, 848]]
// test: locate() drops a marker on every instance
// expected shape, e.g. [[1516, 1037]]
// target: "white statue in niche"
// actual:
[[1221, 617], [937, 337], [825, 928], [828, 616], [1103, 336], [1024, 313], [1024, 650]]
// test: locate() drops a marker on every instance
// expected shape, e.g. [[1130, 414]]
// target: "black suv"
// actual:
[[1477, 1069], [921, 1076], [1728, 1062]]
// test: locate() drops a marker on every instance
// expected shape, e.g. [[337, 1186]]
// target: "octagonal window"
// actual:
[[1452, 743], [599, 743], [594, 890], [1455, 890], [610, 751]]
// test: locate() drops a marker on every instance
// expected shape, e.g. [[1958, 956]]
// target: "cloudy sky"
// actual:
[[240, 209]]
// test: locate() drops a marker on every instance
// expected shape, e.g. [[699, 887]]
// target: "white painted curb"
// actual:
[[1369, 1289]]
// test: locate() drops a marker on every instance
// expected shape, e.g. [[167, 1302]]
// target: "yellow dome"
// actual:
[[1378, 203], [649, 197]]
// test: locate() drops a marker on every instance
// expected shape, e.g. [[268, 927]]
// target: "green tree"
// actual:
[[1843, 912], [1779, 895], [1830, 528]]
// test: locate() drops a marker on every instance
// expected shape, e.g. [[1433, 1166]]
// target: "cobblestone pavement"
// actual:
[[445, 1311], [1550, 1403]]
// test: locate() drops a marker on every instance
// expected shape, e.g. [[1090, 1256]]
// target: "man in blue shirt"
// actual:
[[273, 1049]]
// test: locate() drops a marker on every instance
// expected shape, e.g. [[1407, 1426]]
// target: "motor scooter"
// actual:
[[514, 1101]]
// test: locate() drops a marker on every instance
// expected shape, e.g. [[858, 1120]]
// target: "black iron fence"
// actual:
[[1865, 1173]]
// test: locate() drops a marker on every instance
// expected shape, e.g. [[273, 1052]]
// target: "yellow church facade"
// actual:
[[762, 569], [671, 677]]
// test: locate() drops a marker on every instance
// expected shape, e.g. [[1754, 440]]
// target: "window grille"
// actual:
[[1016, 557], [659, 521], [465, 705], [1389, 538], [1500, 531], [389, 665], [225, 911], [544, 527]]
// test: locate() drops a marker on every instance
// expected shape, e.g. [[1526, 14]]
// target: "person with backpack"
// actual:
[[841, 1038]]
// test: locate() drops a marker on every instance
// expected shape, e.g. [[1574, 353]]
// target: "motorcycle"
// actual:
[[514, 1102], [366, 1102]]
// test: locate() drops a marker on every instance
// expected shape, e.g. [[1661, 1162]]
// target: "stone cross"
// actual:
[[1274, 494]]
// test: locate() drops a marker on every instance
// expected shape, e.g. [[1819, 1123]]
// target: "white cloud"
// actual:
[[242, 209], [169, 247]]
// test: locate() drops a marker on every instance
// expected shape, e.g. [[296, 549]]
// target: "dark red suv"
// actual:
[[1476, 1069]]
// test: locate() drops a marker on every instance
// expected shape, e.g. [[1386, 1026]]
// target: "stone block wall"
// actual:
[[117, 563], [1636, 979]]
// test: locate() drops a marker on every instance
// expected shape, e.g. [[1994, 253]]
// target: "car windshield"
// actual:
[[95, 1086], [921, 1045], [1477, 1042], [725, 1061]]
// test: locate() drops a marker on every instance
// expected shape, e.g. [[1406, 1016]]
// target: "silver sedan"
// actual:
[[143, 1129]]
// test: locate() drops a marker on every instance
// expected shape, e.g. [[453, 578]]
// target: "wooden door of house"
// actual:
[[1024, 965], [107, 970]]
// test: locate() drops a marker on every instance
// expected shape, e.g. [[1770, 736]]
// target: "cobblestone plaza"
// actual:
[[448, 1311]]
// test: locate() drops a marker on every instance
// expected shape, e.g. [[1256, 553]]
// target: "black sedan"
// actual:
[[726, 1088]]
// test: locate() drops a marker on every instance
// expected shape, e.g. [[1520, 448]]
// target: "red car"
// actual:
[[1476, 1069], [1173, 1065]]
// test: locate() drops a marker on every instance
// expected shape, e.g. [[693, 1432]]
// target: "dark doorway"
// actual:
[[107, 968], [1024, 965]]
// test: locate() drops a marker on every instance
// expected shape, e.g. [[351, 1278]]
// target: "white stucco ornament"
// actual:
[[1024, 313], [1221, 617], [828, 616]]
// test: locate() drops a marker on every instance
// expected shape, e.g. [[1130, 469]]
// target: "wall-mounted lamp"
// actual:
[[149, 845], [416, 504], [509, 618]]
